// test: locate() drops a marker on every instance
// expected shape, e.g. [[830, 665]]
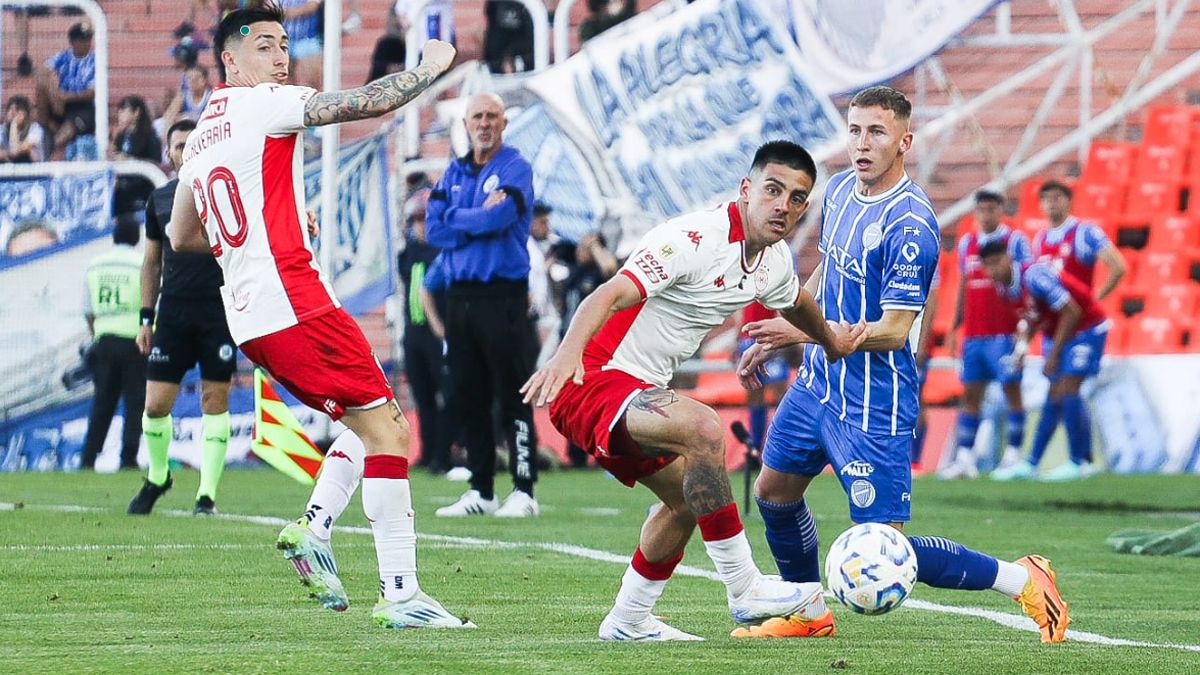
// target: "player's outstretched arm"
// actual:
[[185, 231], [890, 332], [1115, 262], [567, 363], [838, 339], [383, 95]]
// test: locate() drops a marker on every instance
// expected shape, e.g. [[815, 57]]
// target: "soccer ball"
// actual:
[[871, 568]]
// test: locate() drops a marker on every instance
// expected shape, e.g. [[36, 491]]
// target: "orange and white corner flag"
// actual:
[[278, 438]]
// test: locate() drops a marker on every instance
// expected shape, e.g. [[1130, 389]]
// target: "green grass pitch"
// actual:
[[98, 591]]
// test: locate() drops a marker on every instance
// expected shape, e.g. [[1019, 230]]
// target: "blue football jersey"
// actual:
[[878, 253]]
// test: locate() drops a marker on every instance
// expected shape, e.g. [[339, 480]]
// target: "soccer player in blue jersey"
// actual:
[[879, 248]]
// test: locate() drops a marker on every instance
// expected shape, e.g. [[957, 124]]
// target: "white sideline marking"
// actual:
[[1007, 620]]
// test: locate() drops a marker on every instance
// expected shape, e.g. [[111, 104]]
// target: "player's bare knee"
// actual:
[[707, 436], [213, 402]]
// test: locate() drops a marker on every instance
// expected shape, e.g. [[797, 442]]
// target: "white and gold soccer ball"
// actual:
[[871, 568]]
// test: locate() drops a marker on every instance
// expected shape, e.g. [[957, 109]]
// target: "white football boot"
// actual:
[[650, 629]]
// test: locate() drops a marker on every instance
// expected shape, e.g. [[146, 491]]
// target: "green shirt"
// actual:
[[114, 292]]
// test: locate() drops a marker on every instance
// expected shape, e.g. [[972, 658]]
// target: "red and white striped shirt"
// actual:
[[245, 165]]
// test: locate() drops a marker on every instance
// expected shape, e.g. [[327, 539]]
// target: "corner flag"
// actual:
[[278, 438]]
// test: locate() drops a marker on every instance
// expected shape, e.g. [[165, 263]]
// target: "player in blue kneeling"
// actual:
[[879, 248], [1076, 329]]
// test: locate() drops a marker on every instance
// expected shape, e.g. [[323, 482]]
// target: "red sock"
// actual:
[[654, 571], [720, 524], [385, 466]]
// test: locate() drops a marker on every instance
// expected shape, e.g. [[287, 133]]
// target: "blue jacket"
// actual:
[[481, 244]]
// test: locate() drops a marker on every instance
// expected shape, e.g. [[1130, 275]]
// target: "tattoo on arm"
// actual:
[[370, 100], [655, 401]]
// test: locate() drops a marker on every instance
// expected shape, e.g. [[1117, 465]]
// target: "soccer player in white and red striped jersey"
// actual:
[[607, 386], [241, 195]]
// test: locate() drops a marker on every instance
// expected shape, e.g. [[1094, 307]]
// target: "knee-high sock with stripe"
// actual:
[[1051, 413], [158, 432], [215, 429], [1079, 428], [943, 563], [387, 503], [340, 474], [792, 536]]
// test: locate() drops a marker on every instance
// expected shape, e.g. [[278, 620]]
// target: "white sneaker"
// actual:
[[519, 504], [650, 629], [470, 504], [961, 467], [1012, 457], [772, 597], [459, 474], [421, 611]]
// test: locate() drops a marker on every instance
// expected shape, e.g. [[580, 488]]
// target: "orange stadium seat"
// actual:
[[1118, 336], [1110, 162], [1161, 162], [1157, 268], [1168, 124], [1180, 300], [1027, 200], [1151, 198], [1155, 335], [1174, 233], [1099, 200], [719, 387]]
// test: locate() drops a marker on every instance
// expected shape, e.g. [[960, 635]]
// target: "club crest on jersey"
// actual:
[[872, 236], [761, 277], [225, 353], [490, 183], [910, 251], [862, 493]]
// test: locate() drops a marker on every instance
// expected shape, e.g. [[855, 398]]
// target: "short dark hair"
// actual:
[[20, 101], [989, 196], [185, 124], [993, 247], [885, 97], [787, 153], [541, 208], [231, 26], [127, 230], [1053, 185]]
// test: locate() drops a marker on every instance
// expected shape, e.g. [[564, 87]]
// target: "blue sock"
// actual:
[[792, 536], [918, 444], [758, 424], [1079, 428], [1045, 429], [1016, 429], [946, 564], [968, 428]]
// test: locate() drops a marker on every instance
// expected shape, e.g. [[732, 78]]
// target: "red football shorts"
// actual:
[[591, 416], [326, 362]]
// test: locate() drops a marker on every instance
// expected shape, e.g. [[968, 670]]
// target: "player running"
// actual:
[[241, 194], [989, 323], [187, 328], [607, 387], [879, 248], [1075, 329]]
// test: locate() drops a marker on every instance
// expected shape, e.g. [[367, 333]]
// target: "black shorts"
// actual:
[[188, 332]]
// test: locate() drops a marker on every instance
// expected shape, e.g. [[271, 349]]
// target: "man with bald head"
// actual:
[[479, 214]]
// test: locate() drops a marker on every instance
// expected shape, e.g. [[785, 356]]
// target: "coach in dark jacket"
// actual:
[[479, 215]]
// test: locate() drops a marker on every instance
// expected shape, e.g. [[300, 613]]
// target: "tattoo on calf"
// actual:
[[705, 487], [655, 401]]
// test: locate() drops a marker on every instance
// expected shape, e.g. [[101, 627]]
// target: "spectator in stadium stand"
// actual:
[[424, 360], [604, 14], [545, 303], [303, 26], [508, 42], [479, 215], [194, 92], [21, 139], [66, 95], [112, 306], [134, 138]]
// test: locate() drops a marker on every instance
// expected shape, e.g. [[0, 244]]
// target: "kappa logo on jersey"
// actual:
[[910, 251], [338, 453], [653, 269], [695, 237], [215, 108], [720, 282], [330, 405], [858, 469]]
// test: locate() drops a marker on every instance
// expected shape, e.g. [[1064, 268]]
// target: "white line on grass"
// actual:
[[1007, 620]]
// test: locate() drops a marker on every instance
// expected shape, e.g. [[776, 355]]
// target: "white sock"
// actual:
[[1012, 455], [340, 473], [387, 503], [965, 456], [637, 597], [734, 563], [1010, 578]]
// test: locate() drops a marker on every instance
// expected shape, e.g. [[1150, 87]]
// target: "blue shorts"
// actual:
[[874, 470], [1081, 355], [985, 359], [777, 368]]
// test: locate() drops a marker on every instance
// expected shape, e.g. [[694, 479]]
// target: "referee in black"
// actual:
[[188, 328], [479, 214]]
